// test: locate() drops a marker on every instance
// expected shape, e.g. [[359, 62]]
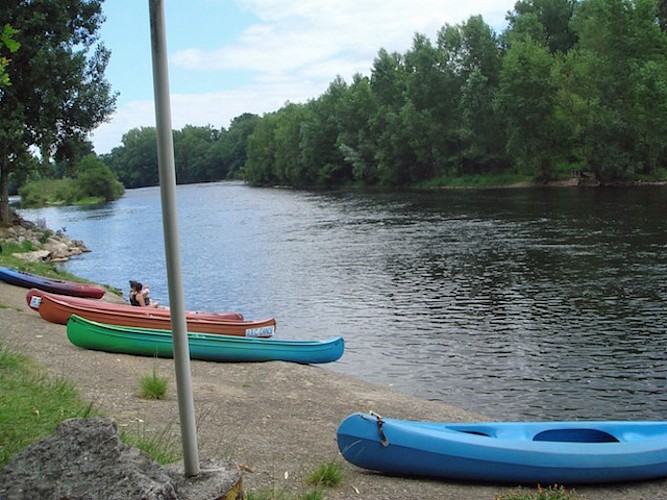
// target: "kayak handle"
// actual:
[[380, 422]]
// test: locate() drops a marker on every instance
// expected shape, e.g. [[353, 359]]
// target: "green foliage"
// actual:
[[201, 154], [48, 192], [525, 99], [95, 180], [135, 161], [153, 386], [569, 85], [31, 405], [94, 183], [7, 42], [547, 21]]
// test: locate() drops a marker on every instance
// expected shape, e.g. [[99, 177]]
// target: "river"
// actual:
[[522, 304]]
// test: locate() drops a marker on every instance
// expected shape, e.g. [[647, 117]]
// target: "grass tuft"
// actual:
[[328, 475], [153, 386], [162, 446]]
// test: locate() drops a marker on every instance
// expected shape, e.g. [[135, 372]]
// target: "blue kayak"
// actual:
[[507, 452]]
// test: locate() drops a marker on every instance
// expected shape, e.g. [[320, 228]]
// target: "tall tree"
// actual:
[[356, 140], [319, 136], [233, 144], [135, 161], [259, 169], [616, 87], [58, 92], [193, 150], [473, 56], [526, 100], [554, 18]]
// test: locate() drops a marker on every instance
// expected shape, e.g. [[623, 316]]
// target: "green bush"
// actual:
[[95, 180], [48, 191]]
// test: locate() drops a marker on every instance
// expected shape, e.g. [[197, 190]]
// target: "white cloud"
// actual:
[[292, 35], [293, 52], [214, 108]]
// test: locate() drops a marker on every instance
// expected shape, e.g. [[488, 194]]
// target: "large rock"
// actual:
[[85, 459]]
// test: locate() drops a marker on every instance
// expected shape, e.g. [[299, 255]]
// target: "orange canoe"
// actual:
[[58, 309], [33, 297]]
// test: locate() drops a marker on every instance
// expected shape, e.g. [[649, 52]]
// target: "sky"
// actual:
[[229, 57]]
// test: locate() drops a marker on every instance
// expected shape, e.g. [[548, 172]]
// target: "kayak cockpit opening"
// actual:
[[575, 436]]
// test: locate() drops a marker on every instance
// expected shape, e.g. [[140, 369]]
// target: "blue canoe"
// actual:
[[507, 452], [53, 285], [208, 347]]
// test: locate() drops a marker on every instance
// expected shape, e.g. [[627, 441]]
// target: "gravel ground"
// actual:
[[277, 420]]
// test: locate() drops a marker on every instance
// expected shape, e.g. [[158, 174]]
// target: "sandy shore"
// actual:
[[276, 419]]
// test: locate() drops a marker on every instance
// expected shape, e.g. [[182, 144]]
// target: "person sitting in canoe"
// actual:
[[139, 295]]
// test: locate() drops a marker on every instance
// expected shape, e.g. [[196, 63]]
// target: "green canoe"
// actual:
[[208, 347]]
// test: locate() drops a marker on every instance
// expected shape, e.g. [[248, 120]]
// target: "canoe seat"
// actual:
[[575, 436]]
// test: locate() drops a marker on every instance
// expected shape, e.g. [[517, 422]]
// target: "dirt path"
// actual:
[[277, 419]]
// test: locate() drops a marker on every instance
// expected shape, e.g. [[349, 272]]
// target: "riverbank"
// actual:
[[276, 419]]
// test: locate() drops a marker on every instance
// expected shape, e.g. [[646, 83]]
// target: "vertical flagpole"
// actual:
[[165, 146]]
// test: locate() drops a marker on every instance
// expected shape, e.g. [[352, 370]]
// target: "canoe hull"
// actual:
[[220, 348], [52, 285], [508, 452], [59, 309]]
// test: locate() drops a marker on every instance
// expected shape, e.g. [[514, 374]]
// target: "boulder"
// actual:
[[36, 256], [85, 459]]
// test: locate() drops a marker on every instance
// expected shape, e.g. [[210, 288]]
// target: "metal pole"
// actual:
[[165, 146]]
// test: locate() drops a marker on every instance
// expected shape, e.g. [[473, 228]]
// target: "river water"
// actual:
[[517, 303]]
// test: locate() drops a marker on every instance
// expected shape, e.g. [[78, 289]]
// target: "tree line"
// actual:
[[201, 154], [569, 86]]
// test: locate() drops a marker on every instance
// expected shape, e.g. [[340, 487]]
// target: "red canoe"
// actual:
[[53, 285], [58, 309]]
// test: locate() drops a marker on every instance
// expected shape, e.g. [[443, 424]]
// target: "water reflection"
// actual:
[[515, 303]]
